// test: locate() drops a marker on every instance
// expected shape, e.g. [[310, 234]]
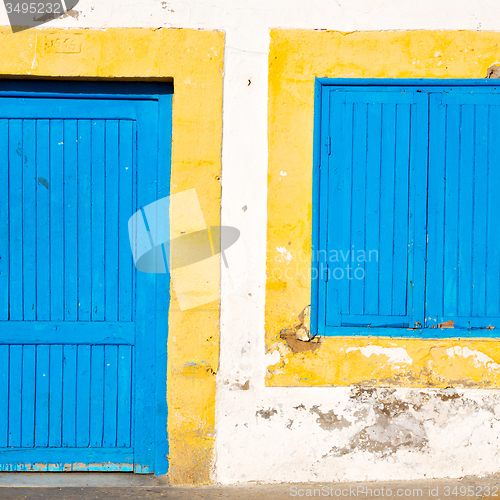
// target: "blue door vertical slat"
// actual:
[[69, 396], [42, 221], [111, 245], [111, 252], [4, 223], [358, 209], [493, 234], [84, 250], [57, 211], [401, 216], [42, 387], [98, 213], [71, 220], [161, 448], [29, 218], [4, 395], [331, 174], [480, 217], [387, 186], [452, 187], [56, 361], [16, 210], [436, 209], [125, 208], [466, 210], [15, 391], [97, 396], [111, 395], [145, 351], [28, 397], [124, 385], [83, 397], [372, 244]]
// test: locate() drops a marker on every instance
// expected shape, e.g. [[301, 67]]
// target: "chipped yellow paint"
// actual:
[[296, 57], [194, 60]]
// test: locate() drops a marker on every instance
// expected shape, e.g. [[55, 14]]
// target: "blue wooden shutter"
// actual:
[[463, 257], [373, 208]]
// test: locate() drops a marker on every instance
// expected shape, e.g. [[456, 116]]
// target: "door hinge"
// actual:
[[325, 274], [329, 145]]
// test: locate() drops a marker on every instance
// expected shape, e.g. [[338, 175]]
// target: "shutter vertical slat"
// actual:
[[372, 211], [436, 210], [493, 233], [387, 184], [451, 243], [333, 172], [358, 214], [401, 212], [343, 246], [466, 212], [481, 195]]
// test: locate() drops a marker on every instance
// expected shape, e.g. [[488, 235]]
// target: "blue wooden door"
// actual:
[[82, 333]]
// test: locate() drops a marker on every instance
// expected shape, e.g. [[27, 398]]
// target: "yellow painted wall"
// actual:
[[296, 57], [194, 59]]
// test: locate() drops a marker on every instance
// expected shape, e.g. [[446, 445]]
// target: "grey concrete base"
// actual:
[[465, 488], [77, 480]]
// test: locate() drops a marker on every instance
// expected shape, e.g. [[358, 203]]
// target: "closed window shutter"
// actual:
[[372, 255], [463, 268]]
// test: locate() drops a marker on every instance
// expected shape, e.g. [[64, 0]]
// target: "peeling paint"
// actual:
[[243, 387], [394, 355], [267, 414], [477, 356], [329, 421], [493, 72], [447, 324]]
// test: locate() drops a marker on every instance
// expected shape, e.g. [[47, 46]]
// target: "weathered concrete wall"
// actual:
[[266, 433]]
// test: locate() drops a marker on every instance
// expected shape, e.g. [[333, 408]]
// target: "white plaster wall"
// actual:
[[263, 434]]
